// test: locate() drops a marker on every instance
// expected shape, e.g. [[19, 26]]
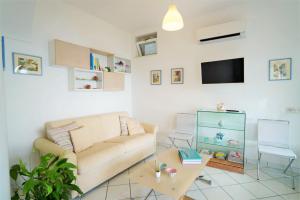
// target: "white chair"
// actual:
[[184, 129], [273, 139]]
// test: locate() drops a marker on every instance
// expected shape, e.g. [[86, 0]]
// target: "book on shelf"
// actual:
[[189, 156]]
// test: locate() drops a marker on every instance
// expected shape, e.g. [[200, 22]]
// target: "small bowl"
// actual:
[[163, 166], [171, 171]]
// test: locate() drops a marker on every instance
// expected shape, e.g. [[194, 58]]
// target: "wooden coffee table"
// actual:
[[174, 187]]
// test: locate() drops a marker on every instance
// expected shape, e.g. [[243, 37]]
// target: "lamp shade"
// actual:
[[172, 20]]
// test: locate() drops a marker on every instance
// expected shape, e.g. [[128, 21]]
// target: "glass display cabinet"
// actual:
[[221, 134]]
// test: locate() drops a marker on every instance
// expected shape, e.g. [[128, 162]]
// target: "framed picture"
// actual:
[[27, 64], [280, 69], [155, 77], [177, 75]]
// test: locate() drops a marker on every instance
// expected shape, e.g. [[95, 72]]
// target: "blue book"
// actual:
[[91, 61], [189, 156]]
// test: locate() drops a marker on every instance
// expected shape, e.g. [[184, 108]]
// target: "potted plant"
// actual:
[[52, 179]]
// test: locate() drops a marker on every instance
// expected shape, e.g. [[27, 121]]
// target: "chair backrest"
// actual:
[[273, 133], [186, 122]]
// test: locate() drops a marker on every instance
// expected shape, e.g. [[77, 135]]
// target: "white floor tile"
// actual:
[[223, 179], [196, 194], [203, 185], [258, 190], [121, 179], [291, 196], [97, 193], [215, 193], [273, 198], [262, 175], [193, 187], [212, 170], [241, 178], [118, 192], [237, 192], [139, 191], [277, 187], [287, 181], [162, 197], [250, 166], [274, 173]]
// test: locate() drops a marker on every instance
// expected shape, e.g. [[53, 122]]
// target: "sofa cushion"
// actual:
[[60, 135], [100, 127], [134, 142], [134, 126], [123, 125], [98, 155], [81, 139]]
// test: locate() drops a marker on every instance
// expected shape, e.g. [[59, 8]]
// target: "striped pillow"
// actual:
[[60, 135], [123, 125]]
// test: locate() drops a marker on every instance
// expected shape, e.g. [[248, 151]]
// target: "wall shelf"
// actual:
[[86, 80]]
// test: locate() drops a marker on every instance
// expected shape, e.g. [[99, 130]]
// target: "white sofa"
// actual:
[[111, 153]]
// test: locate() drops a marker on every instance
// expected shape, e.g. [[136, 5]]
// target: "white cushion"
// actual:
[[134, 142], [81, 139], [277, 151], [100, 154], [134, 127]]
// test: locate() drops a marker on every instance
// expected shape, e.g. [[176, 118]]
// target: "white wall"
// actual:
[[4, 171], [33, 100], [272, 32]]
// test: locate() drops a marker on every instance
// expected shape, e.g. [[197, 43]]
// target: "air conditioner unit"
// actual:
[[233, 29]]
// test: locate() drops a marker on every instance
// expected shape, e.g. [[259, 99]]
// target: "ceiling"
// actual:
[[135, 15]]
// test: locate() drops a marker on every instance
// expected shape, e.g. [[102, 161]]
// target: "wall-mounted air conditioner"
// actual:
[[233, 29]]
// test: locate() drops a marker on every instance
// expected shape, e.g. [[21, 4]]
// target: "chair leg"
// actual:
[[173, 142], [258, 165], [190, 145], [292, 176]]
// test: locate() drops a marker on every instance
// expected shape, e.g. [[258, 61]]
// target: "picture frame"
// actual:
[[155, 77], [280, 69], [27, 64], [177, 76]]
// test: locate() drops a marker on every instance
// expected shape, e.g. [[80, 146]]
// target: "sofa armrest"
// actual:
[[150, 128], [45, 146]]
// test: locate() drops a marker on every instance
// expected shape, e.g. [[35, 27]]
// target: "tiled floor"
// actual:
[[225, 186]]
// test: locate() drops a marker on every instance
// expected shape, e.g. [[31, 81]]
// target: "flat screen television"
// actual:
[[223, 71]]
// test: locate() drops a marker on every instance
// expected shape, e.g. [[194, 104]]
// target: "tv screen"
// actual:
[[223, 71]]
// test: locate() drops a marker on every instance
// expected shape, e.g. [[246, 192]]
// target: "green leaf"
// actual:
[[61, 161], [14, 171], [23, 170], [45, 159], [75, 188], [53, 161], [28, 186], [67, 165], [48, 188]]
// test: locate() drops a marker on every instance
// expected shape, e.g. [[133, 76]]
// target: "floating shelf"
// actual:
[[86, 80]]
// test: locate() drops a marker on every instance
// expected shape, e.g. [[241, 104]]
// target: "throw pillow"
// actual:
[[123, 125], [80, 139], [134, 127], [60, 135]]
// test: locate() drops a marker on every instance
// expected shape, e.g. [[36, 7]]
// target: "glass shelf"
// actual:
[[224, 143], [214, 125], [88, 80]]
